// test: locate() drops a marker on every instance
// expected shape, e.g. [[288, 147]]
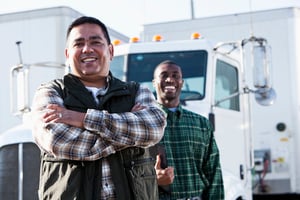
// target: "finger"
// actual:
[[170, 171], [52, 116], [157, 163], [59, 115], [136, 107], [46, 113], [53, 106]]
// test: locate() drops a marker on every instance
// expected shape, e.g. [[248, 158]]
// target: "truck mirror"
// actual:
[[261, 66], [261, 52], [265, 97]]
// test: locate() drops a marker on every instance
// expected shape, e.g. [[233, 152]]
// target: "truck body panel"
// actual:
[[275, 129], [202, 87], [259, 135]]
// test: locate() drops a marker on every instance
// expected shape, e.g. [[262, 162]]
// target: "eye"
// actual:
[[96, 42], [163, 76], [176, 76], [78, 44]]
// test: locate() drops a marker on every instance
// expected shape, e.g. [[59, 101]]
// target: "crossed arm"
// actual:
[[72, 135]]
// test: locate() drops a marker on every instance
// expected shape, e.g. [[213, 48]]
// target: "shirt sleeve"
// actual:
[[140, 128], [104, 133], [212, 170]]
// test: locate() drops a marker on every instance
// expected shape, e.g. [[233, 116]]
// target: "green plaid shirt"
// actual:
[[192, 150]]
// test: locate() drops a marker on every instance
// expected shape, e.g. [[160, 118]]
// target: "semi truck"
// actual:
[[275, 129], [215, 86], [263, 145], [259, 154]]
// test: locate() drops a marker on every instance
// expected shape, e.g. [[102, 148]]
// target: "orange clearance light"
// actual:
[[116, 42], [157, 38], [195, 36], [134, 40]]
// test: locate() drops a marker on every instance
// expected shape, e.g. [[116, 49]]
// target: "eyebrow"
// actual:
[[90, 38], [172, 72]]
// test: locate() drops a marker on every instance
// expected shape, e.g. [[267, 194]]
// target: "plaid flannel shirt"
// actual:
[[192, 150], [103, 133]]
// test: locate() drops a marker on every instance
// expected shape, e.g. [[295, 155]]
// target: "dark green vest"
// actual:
[[132, 169]]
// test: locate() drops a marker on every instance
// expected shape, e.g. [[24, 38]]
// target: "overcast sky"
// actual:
[[127, 16]]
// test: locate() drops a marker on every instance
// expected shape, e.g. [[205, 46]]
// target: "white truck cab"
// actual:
[[214, 86]]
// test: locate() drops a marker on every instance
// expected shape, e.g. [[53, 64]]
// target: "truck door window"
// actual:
[[226, 84]]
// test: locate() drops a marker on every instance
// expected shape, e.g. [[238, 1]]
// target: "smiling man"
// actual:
[[93, 129], [194, 170]]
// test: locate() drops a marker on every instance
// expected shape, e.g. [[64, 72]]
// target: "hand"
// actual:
[[58, 114], [164, 176], [137, 107]]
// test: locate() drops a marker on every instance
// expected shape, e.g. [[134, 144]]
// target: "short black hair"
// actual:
[[167, 62], [90, 20]]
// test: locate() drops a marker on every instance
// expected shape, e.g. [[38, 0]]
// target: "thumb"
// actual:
[[158, 161]]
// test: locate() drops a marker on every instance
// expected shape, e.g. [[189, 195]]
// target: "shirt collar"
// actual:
[[178, 111]]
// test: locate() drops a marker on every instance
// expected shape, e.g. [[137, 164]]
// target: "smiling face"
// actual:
[[88, 52], [168, 83]]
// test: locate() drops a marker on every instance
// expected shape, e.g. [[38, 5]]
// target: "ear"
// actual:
[[66, 53], [111, 51], [154, 83]]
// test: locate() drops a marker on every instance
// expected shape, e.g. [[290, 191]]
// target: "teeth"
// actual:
[[170, 87], [89, 59]]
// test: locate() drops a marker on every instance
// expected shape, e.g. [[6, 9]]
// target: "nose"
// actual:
[[87, 48], [169, 79]]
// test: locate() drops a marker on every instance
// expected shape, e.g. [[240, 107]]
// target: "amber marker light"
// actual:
[[195, 36], [157, 38], [134, 40], [116, 42]]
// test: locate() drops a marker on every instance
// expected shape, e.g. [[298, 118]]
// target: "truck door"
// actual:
[[230, 120]]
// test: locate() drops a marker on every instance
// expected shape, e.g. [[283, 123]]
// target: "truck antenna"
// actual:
[[251, 20], [192, 9], [18, 43]]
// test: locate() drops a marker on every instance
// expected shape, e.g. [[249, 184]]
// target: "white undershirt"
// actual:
[[172, 109], [97, 92]]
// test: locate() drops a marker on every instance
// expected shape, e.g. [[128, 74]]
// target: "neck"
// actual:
[[99, 82], [169, 103]]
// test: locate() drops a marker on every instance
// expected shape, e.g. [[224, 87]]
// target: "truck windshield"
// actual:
[[140, 68]]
